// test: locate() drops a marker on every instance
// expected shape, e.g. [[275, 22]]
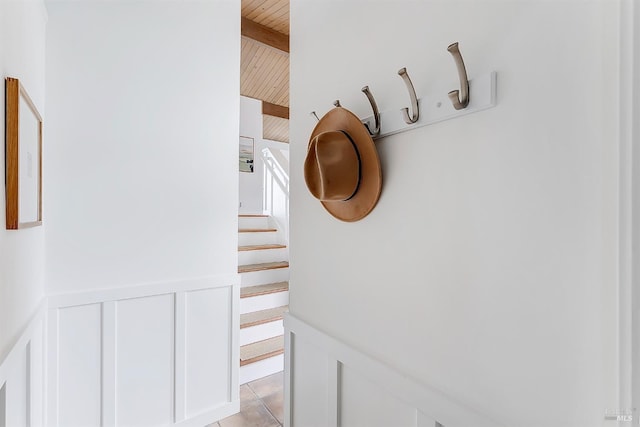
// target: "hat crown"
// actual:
[[342, 168], [332, 166]]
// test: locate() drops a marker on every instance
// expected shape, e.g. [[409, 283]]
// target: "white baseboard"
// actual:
[[331, 383]]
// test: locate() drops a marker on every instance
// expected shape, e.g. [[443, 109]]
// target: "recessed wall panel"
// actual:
[[207, 349], [17, 392], [310, 379], [79, 363], [365, 404], [144, 354], [36, 375]]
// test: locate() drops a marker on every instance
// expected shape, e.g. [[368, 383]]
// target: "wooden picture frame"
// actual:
[[23, 158]]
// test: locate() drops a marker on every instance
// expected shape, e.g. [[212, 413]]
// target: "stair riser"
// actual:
[[261, 332], [264, 276], [263, 302], [253, 222], [263, 238], [261, 369], [262, 255]]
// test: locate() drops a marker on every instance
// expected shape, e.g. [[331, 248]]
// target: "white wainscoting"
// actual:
[[328, 383], [22, 377], [154, 355]]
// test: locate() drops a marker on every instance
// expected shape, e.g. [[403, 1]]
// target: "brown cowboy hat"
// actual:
[[342, 168]]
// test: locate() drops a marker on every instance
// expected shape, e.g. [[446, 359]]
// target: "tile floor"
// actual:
[[261, 404]]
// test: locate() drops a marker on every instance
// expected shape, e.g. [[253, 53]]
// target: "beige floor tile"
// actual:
[[261, 404], [246, 393], [252, 414], [268, 385], [275, 403]]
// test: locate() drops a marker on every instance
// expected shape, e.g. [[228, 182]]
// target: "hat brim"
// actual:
[[370, 187]]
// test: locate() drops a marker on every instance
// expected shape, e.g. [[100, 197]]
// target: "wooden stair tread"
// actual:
[[263, 316], [260, 247], [261, 350], [263, 266], [256, 230], [252, 216], [269, 288]]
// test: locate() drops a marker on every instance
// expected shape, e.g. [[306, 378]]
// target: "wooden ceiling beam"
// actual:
[[264, 35], [275, 110]]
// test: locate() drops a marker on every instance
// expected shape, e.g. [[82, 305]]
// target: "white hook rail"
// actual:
[[435, 109], [473, 96]]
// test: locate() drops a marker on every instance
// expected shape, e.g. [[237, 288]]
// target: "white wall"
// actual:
[[142, 203], [488, 269], [22, 55], [22, 325], [143, 112]]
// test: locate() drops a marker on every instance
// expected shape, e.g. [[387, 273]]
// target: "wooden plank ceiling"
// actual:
[[270, 13], [264, 66], [275, 128]]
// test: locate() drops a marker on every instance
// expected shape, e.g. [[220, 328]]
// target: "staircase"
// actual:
[[264, 296]]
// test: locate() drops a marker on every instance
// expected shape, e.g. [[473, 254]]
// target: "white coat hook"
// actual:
[[459, 99], [375, 129], [414, 99]]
